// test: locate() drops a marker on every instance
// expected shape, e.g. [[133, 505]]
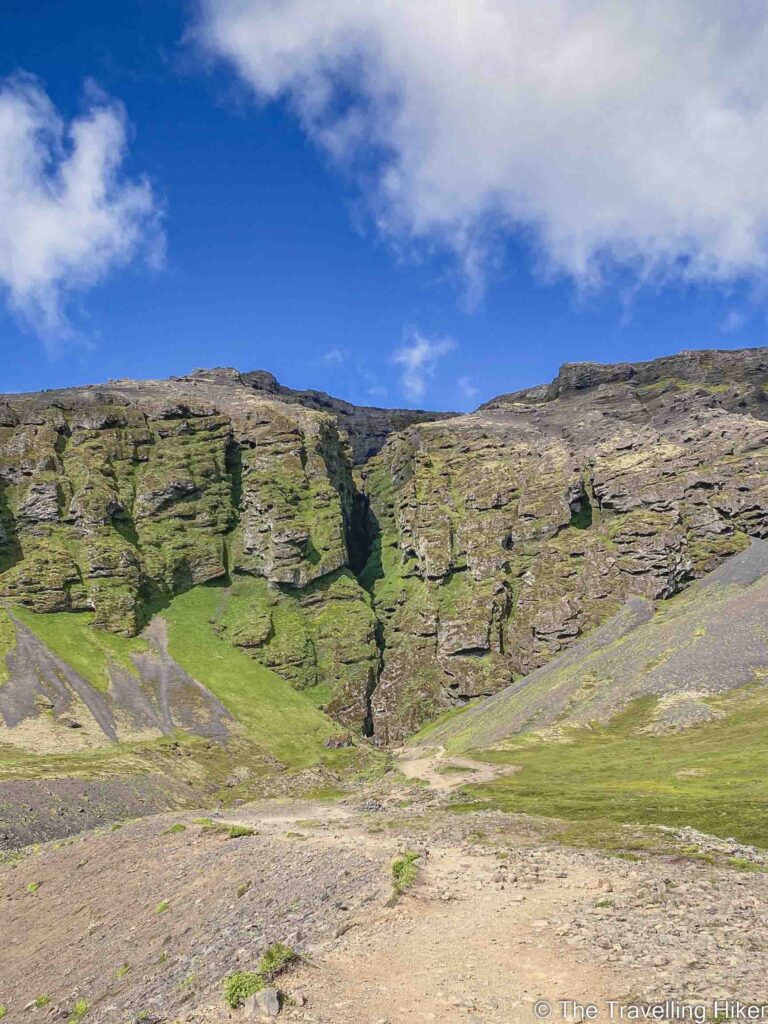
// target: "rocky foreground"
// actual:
[[145, 922]]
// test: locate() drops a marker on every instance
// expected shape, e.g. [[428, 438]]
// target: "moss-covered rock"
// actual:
[[505, 535]]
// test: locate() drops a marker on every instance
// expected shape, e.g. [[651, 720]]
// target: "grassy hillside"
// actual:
[[282, 720], [89, 651], [655, 718], [713, 777], [707, 641], [273, 717]]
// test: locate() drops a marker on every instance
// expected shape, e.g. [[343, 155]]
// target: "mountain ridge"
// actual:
[[398, 565]]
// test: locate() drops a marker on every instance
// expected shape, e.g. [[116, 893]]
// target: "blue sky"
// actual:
[[281, 252]]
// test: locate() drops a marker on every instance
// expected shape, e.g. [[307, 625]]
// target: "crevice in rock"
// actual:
[[234, 468], [581, 512], [360, 532], [364, 546]]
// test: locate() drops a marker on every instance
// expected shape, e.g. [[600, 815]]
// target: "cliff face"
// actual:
[[115, 498], [366, 427], [505, 535], [464, 553]]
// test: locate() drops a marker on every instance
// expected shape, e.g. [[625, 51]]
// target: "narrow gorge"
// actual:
[[388, 564]]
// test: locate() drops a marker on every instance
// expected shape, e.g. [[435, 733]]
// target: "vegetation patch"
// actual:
[[240, 831], [7, 643], [79, 1011], [282, 720], [713, 777], [238, 986], [162, 907], [404, 872], [89, 651], [278, 958]]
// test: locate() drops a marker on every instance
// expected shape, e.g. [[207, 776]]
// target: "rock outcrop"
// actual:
[[115, 498], [393, 563], [681, 661], [505, 535]]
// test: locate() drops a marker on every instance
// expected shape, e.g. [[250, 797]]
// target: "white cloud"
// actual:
[[377, 391], [419, 358], [627, 134], [733, 321], [466, 387], [335, 355], [68, 215]]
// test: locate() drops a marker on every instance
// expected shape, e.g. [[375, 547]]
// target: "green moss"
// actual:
[[162, 907], [240, 831], [277, 958], [79, 1011], [89, 651], [238, 986], [206, 823], [404, 872]]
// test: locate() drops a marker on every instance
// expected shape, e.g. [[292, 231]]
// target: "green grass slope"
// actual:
[[273, 717], [282, 720], [653, 719], [705, 642], [713, 777], [89, 651]]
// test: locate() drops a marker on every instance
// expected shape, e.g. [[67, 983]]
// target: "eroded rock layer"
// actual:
[[462, 555], [115, 498], [505, 535]]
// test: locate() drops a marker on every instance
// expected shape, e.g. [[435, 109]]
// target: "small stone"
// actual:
[[263, 1004]]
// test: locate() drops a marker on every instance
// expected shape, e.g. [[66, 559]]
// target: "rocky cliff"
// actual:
[[115, 498], [505, 535], [393, 579]]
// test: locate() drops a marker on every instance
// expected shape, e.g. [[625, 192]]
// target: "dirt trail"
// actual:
[[465, 946], [444, 774], [145, 922]]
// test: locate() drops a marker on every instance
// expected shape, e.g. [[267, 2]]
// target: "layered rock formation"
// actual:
[[114, 498], [507, 534], [463, 554], [681, 661]]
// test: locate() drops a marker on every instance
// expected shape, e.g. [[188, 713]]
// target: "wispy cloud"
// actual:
[[466, 387], [419, 358], [335, 355], [609, 135], [68, 215], [733, 321]]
